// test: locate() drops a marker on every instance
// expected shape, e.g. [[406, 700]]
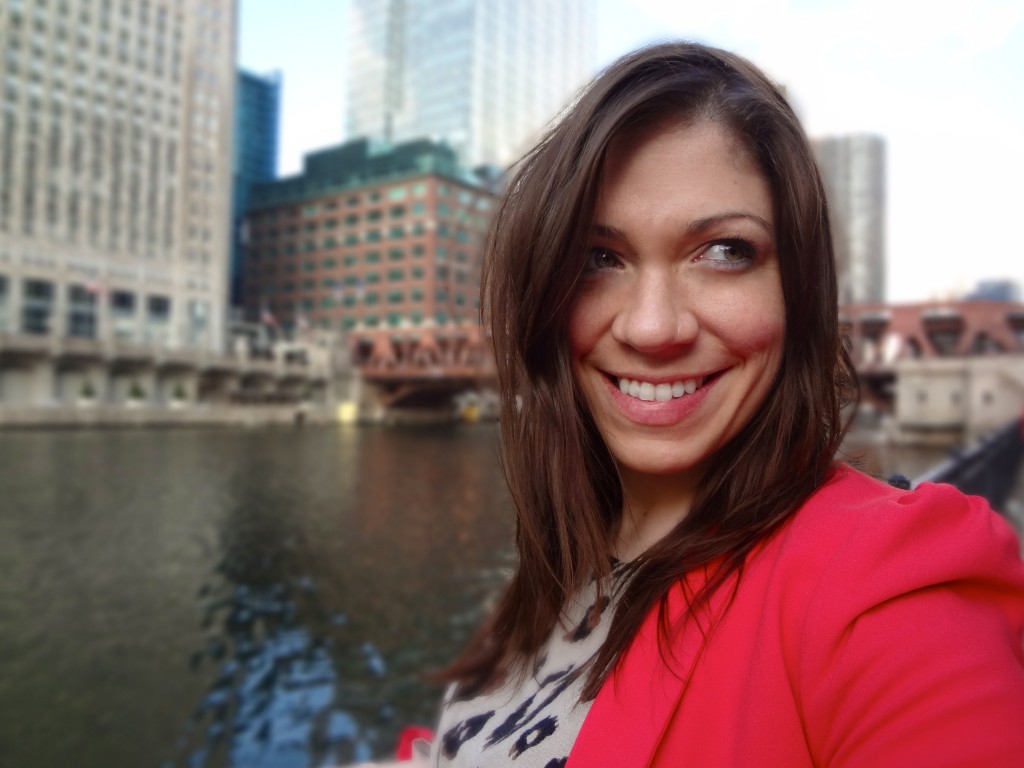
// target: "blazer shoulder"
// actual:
[[855, 530]]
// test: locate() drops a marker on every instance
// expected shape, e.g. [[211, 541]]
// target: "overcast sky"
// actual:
[[941, 80]]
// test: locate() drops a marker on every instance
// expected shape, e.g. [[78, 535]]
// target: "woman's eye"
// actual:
[[600, 259], [730, 252]]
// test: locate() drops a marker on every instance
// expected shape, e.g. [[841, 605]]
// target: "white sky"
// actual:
[[941, 80]]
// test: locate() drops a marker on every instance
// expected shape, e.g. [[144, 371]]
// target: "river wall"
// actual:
[[114, 416]]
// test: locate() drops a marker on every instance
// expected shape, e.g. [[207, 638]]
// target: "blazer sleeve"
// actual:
[[910, 650]]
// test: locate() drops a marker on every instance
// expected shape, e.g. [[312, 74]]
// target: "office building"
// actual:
[[257, 128], [368, 238], [853, 171], [485, 76], [115, 160]]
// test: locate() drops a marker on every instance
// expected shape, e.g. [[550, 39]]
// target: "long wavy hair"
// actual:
[[563, 480]]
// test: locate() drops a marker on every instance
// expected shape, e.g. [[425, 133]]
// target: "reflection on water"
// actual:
[[245, 597], [250, 598]]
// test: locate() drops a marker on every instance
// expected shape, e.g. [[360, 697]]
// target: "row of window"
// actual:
[[369, 298], [351, 260], [392, 319], [394, 194], [264, 230], [83, 303], [354, 238]]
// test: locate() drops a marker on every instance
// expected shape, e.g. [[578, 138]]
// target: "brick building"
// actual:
[[368, 238]]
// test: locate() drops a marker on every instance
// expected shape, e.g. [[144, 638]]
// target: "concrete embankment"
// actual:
[[94, 416]]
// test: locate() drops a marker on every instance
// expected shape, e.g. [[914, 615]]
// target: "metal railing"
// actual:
[[988, 468]]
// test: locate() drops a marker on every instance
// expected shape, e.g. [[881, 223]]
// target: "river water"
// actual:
[[246, 597]]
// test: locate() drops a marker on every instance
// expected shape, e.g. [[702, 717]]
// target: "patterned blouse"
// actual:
[[532, 720]]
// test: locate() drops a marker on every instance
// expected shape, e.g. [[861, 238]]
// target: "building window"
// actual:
[[396, 254], [158, 320], [396, 297], [372, 297], [372, 257], [397, 193], [122, 311], [396, 274], [3, 304], [37, 306], [198, 312], [81, 312]]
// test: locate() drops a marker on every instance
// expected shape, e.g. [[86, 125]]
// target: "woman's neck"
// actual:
[[652, 506]]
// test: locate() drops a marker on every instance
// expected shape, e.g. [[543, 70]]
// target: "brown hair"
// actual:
[[563, 480]]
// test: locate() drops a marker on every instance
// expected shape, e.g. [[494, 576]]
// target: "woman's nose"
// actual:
[[657, 315]]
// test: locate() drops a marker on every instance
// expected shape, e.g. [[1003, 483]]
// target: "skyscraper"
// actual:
[[257, 121], [485, 76], [115, 169], [853, 171]]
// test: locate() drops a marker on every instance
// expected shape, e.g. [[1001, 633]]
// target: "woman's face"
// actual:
[[677, 331]]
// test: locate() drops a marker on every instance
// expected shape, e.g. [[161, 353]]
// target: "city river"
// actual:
[[244, 598]]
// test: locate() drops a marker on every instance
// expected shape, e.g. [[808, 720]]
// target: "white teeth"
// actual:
[[647, 391]]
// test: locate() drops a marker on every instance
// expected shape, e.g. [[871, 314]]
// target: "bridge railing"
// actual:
[[988, 468]]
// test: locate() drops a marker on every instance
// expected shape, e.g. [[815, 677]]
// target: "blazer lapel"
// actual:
[[628, 718]]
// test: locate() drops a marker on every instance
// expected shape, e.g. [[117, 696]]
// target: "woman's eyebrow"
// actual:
[[700, 225], [696, 227], [607, 232]]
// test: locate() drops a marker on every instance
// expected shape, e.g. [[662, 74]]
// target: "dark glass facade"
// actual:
[[257, 120]]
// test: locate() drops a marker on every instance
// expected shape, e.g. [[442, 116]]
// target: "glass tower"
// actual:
[[853, 171], [257, 121], [485, 76]]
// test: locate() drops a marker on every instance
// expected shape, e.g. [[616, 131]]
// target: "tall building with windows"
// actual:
[[367, 238], [485, 76], [257, 128], [115, 170], [853, 171]]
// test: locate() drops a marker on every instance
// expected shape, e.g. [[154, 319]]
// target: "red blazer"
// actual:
[[877, 628]]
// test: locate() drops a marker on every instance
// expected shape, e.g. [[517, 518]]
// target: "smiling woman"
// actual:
[[699, 581], [677, 329]]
